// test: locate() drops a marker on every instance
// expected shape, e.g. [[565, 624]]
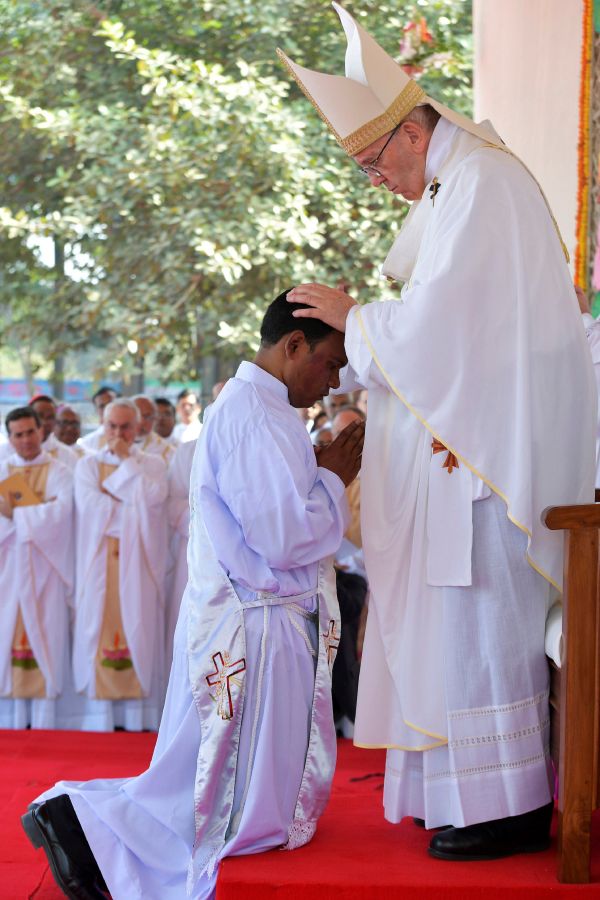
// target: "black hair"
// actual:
[[279, 321], [164, 401], [21, 412], [104, 389], [45, 397]]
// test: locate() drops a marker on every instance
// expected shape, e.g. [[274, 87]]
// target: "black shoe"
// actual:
[[527, 833], [420, 823], [72, 881]]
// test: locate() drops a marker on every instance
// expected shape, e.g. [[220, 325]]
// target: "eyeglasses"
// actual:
[[369, 168]]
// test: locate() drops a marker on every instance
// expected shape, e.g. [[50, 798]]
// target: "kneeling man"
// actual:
[[246, 748]]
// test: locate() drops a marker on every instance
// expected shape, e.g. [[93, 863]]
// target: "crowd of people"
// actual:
[[93, 542]]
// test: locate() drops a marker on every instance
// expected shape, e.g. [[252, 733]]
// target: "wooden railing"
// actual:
[[578, 693]]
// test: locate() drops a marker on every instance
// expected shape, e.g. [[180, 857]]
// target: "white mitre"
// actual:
[[373, 97]]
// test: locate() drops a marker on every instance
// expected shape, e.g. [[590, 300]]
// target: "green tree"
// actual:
[[165, 152]]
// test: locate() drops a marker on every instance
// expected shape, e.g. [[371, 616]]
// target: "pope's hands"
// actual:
[[343, 456], [330, 305]]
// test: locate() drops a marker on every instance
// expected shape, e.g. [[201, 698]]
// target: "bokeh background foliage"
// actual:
[[179, 178]]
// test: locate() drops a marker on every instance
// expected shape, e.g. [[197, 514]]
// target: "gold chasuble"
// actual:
[[28, 681], [116, 678]]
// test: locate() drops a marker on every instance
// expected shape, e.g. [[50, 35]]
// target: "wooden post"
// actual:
[[579, 701]]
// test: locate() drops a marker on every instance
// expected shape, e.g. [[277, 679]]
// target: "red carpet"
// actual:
[[355, 855]]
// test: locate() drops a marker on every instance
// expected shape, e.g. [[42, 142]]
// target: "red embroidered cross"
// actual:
[[332, 641], [224, 670]]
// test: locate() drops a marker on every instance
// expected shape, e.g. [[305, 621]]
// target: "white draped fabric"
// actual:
[[271, 515], [57, 450], [135, 513], [178, 511], [484, 352], [36, 575], [157, 446]]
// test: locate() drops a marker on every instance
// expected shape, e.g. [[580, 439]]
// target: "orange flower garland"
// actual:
[[583, 150]]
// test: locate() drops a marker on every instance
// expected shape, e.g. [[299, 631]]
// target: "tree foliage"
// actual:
[[161, 147]]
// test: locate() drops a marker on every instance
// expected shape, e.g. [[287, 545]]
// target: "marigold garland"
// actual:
[[583, 150]]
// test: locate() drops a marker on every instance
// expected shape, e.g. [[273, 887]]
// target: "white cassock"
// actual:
[[93, 441], [157, 446], [57, 450], [36, 583], [184, 433], [482, 356], [128, 506], [271, 516], [178, 507], [592, 332]]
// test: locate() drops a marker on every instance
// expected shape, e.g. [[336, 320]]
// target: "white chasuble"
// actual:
[[120, 517], [483, 354], [36, 579]]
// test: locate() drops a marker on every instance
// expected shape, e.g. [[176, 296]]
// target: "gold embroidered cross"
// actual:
[[219, 679], [332, 641]]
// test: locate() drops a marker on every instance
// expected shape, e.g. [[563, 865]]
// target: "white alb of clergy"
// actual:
[[246, 748], [178, 508], [57, 450], [470, 441], [118, 649], [36, 584], [154, 444], [93, 441]]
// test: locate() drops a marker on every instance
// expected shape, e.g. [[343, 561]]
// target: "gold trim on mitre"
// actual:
[[409, 97], [283, 58]]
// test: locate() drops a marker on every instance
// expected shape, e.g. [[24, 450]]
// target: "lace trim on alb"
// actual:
[[483, 770], [500, 738], [492, 710], [300, 833]]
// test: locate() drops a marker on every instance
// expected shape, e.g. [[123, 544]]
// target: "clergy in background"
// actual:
[[36, 576], [188, 410], [45, 408], [164, 422], [97, 438], [118, 652], [246, 749], [147, 439], [482, 412], [67, 428]]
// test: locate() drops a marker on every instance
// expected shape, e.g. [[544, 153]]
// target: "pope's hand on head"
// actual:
[[343, 456], [328, 304]]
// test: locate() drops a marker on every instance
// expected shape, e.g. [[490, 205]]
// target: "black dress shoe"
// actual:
[[420, 823], [527, 833], [72, 881]]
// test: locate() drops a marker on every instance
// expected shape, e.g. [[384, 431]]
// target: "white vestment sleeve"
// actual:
[[291, 513], [48, 525], [134, 481]]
